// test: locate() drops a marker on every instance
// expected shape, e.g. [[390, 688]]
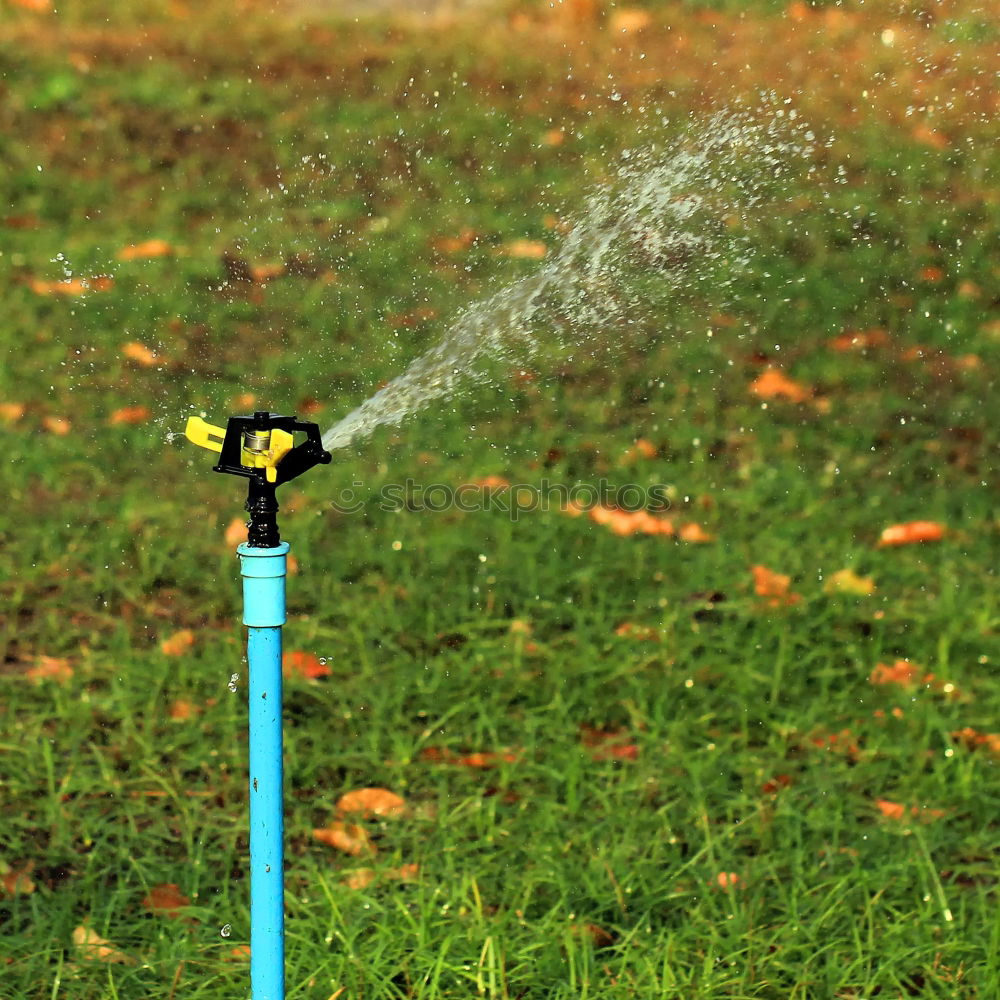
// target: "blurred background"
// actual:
[[719, 750]]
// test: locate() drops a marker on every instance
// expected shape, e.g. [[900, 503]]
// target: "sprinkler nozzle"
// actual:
[[262, 450]]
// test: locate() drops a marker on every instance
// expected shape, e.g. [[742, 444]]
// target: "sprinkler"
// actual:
[[262, 450]]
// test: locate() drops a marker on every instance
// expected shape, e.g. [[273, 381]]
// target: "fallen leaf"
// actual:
[[236, 531], [843, 742], [902, 672], [244, 401], [59, 426], [351, 838], [932, 274], [16, 881], [890, 810], [308, 665], [846, 581], [241, 953], [859, 341], [554, 137], [923, 133], [628, 20], [488, 759], [773, 586], [692, 532], [625, 523], [139, 353], [774, 384], [146, 250], [372, 802], [38, 6], [72, 286], [166, 900], [130, 415], [609, 744], [641, 449], [898, 811], [597, 935], [54, 668], [911, 532], [178, 643], [972, 739], [455, 244], [775, 784], [491, 482], [11, 412], [525, 249], [641, 633], [93, 948], [360, 878], [728, 880], [181, 710]]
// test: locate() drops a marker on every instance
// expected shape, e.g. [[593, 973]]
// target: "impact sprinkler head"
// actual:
[[262, 450]]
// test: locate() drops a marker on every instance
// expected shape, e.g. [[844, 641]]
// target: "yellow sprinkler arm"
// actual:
[[261, 449]]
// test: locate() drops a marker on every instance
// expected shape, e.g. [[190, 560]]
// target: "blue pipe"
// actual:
[[263, 571]]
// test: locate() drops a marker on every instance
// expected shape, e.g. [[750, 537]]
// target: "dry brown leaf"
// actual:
[[16, 881], [351, 838], [898, 811], [130, 415], [139, 353], [728, 881], [773, 586], [972, 739], [178, 643], [146, 250], [846, 581], [641, 449], [372, 802], [774, 384], [181, 710], [525, 249], [236, 531], [491, 482], [628, 20], [91, 947], [59, 426], [55, 668], [166, 900], [72, 286], [911, 532], [859, 340], [360, 878], [641, 633], [693, 532], [298, 664], [488, 758]]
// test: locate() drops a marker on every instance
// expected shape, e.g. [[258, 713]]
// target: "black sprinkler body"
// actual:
[[261, 449]]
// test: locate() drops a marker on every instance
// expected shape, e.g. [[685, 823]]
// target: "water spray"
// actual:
[[262, 449]]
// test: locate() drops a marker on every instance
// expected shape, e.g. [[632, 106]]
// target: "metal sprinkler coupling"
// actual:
[[262, 450]]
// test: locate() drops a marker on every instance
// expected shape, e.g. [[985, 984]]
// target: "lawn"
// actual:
[[746, 748]]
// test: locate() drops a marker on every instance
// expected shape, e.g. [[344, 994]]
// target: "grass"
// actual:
[[750, 738]]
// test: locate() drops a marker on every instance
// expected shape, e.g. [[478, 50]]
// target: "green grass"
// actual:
[[112, 536]]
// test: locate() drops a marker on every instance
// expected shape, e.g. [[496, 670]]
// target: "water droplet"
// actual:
[[226, 930], [233, 680]]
